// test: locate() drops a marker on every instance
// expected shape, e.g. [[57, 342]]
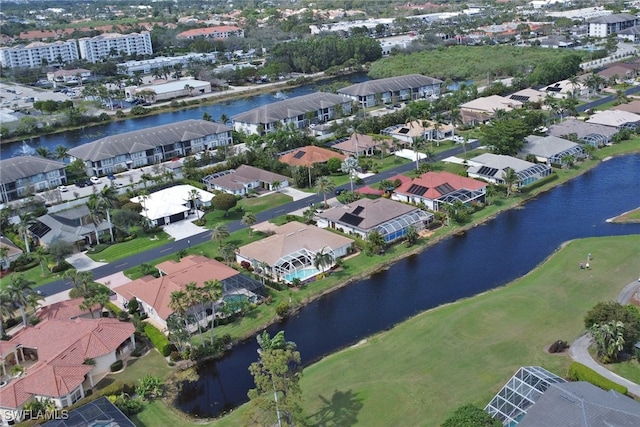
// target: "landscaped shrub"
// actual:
[[62, 266], [116, 366], [580, 372], [99, 248], [133, 305], [113, 308], [158, 339], [558, 346], [25, 267], [283, 309]]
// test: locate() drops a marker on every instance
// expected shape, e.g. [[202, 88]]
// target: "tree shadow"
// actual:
[[340, 410]]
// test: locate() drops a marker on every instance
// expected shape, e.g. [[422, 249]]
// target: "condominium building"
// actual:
[[37, 54], [606, 25], [94, 49], [220, 32]]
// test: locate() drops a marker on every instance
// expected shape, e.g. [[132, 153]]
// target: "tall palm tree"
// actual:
[[195, 297], [351, 167], [19, 289], [249, 219], [44, 152], [6, 310], [60, 152], [416, 144], [228, 252], [219, 233], [323, 260], [573, 81], [178, 303], [80, 279], [107, 196], [510, 179], [224, 119], [95, 214], [213, 291], [193, 197], [325, 185], [26, 220]]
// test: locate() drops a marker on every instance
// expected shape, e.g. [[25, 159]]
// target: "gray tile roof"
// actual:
[[546, 146], [612, 19], [372, 212], [582, 404], [390, 84], [146, 139], [631, 30], [237, 179], [291, 107], [581, 129], [19, 167]]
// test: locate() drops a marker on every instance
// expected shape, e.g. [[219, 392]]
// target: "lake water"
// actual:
[[77, 137], [484, 258]]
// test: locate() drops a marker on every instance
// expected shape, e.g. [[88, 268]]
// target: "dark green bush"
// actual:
[[580, 372], [25, 267], [62, 266], [113, 308], [116, 366], [99, 248], [558, 346], [158, 339], [283, 309]]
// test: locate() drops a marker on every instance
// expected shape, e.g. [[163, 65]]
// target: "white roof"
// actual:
[[174, 86], [614, 118], [492, 104], [170, 201]]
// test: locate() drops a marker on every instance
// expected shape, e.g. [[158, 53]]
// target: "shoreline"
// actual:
[[208, 99]]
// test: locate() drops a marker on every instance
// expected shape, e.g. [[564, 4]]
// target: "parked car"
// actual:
[[95, 180], [339, 191], [63, 189]]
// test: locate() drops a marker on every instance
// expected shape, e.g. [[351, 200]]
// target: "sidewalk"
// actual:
[[579, 350]]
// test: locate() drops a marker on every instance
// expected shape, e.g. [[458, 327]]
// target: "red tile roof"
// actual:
[[62, 347], [157, 291], [432, 180], [208, 31], [63, 310]]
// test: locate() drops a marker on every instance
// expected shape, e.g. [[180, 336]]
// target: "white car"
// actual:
[[95, 180], [63, 189]]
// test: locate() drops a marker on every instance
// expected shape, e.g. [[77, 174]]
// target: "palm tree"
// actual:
[[143, 197], [621, 97], [19, 289], [351, 167], [60, 152], [193, 197], [219, 233], [4, 253], [573, 81], [224, 119], [228, 252], [609, 339], [44, 152], [213, 291], [178, 303], [80, 279], [106, 197], [6, 310], [95, 214], [510, 179], [249, 219], [412, 235], [195, 298], [322, 260], [275, 185], [416, 143], [325, 185], [26, 220]]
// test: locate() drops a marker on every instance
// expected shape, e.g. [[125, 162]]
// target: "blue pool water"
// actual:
[[303, 274]]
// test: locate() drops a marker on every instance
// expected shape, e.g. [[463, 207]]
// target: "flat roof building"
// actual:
[[169, 90], [38, 54], [610, 24], [94, 49]]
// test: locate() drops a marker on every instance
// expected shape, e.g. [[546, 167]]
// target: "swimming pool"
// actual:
[[302, 274]]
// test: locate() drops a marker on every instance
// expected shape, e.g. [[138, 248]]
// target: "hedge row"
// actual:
[[580, 372], [158, 339], [113, 308]]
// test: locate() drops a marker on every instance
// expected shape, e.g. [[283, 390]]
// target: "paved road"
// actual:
[[579, 350], [175, 246]]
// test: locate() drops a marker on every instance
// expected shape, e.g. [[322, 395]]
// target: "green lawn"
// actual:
[[152, 363], [633, 216], [254, 204], [135, 246]]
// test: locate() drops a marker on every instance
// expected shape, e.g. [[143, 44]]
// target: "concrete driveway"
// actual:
[[81, 262], [185, 228]]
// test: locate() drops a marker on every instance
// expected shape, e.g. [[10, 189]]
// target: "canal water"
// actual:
[[484, 258], [77, 137]]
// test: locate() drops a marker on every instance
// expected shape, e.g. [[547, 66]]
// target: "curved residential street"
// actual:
[[579, 350]]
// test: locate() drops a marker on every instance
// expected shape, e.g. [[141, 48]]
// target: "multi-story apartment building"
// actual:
[[94, 49], [147, 66], [37, 54], [22, 175], [219, 32], [606, 25]]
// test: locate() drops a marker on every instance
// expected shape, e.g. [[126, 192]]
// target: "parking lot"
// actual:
[[16, 96]]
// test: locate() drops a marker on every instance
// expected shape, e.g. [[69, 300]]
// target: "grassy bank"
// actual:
[[420, 371]]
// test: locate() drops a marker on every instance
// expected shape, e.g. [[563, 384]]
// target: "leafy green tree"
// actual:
[[277, 397], [470, 416], [611, 311], [505, 135], [124, 219], [224, 202], [150, 387]]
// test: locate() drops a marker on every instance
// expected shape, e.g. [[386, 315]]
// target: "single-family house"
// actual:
[[76, 75], [528, 95], [551, 150], [299, 112], [388, 217], [13, 252], [67, 310], [490, 104], [357, 145], [619, 71], [54, 360], [565, 88], [245, 179], [72, 226], [22, 175], [630, 107], [172, 204], [426, 129], [493, 167], [291, 251], [616, 119], [590, 133], [433, 189], [392, 90], [154, 294], [149, 146], [307, 156]]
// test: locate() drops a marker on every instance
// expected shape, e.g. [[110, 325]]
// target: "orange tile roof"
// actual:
[[312, 154], [62, 310], [208, 31], [432, 180], [62, 347], [157, 291]]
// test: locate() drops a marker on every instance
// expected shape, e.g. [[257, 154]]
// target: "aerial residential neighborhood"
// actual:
[[436, 202]]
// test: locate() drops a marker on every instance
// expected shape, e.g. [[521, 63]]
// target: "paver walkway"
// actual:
[[579, 350]]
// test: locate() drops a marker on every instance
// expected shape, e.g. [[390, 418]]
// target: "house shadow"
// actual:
[[341, 410]]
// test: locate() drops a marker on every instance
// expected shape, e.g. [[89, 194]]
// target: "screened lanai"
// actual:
[[463, 195], [298, 264], [519, 393], [397, 227], [576, 152], [596, 139], [533, 173]]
